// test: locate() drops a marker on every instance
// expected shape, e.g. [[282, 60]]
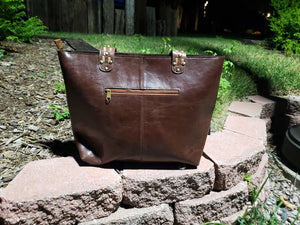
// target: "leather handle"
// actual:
[[106, 58], [59, 44], [178, 61]]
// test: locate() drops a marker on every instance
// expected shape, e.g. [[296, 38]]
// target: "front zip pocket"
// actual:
[[122, 91]]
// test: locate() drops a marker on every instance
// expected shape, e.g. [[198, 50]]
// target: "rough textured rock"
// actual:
[[246, 109], [268, 105], [232, 219], [234, 156], [146, 187], [293, 120], [212, 207], [261, 173], [293, 106], [259, 177], [162, 214], [60, 191], [252, 127]]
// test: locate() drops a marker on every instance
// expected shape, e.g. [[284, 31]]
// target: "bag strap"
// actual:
[[59, 44], [106, 58], [178, 61]]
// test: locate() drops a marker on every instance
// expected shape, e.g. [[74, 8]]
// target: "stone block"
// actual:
[[161, 214], [252, 127], [59, 191], [268, 122], [268, 105], [261, 173], [249, 109], [293, 104], [232, 219], [213, 206], [259, 177], [147, 187], [293, 119], [234, 155]]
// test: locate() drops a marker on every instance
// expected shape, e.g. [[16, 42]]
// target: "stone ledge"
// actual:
[[212, 207], [234, 155], [246, 109], [145, 187], [76, 194], [161, 214], [268, 105], [251, 127], [60, 191]]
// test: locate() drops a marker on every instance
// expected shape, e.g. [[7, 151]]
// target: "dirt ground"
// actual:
[[28, 130]]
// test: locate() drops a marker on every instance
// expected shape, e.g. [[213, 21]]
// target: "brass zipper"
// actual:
[[122, 91]]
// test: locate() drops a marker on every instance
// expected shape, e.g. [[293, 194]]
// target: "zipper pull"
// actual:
[[108, 96]]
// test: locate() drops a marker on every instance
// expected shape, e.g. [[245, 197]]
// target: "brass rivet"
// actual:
[[178, 70], [110, 62], [101, 62], [179, 55], [106, 53], [106, 68], [183, 63], [174, 63]]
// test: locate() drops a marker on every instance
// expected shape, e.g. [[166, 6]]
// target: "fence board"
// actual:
[[119, 21], [66, 16], [96, 16], [93, 14], [129, 17], [80, 16], [54, 15], [140, 17], [108, 16], [150, 21]]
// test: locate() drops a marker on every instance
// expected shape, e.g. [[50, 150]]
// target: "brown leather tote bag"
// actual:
[[140, 107]]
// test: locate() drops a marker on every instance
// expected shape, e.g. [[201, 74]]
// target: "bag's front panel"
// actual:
[[175, 127]]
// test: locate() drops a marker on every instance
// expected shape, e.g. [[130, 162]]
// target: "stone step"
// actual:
[[212, 207], [249, 109], [251, 127], [161, 214], [147, 187], [234, 155], [268, 105], [60, 191]]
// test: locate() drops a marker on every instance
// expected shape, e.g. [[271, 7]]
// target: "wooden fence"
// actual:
[[101, 16]]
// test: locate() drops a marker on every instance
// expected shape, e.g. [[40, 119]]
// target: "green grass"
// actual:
[[256, 70]]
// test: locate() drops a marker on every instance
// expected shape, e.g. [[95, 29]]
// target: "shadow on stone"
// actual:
[[68, 148], [280, 122]]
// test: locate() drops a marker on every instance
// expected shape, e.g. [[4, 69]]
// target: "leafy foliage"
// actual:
[[224, 86], [60, 113], [1, 53], [13, 23], [60, 88], [286, 25]]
